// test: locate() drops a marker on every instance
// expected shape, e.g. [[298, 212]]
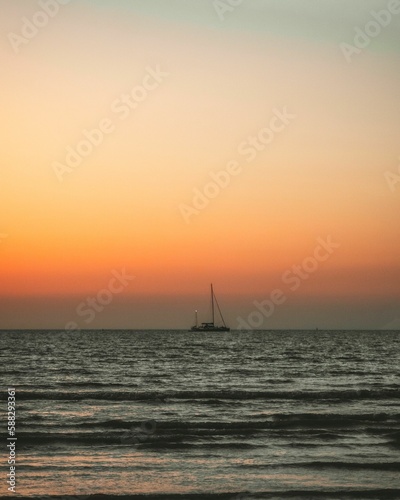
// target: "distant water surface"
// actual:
[[267, 413]]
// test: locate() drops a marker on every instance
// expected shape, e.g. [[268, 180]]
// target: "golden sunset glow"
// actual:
[[199, 90]]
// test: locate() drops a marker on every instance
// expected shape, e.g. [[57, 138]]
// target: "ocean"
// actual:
[[172, 414]]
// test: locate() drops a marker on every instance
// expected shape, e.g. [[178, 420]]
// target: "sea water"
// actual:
[[265, 414]]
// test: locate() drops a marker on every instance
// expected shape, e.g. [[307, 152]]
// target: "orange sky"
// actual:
[[221, 83]]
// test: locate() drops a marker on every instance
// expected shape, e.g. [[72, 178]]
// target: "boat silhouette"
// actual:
[[211, 326]]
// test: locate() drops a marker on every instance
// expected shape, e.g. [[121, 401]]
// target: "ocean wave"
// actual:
[[276, 421], [169, 433], [236, 395], [333, 493]]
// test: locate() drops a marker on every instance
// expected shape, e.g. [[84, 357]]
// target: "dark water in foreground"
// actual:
[[275, 414]]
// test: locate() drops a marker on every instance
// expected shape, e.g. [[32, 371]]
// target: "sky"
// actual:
[[151, 147]]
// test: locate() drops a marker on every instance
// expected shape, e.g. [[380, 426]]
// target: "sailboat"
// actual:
[[211, 327]]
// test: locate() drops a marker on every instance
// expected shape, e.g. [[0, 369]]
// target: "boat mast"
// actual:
[[212, 303]]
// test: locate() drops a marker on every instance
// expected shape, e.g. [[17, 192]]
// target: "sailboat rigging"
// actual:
[[211, 326]]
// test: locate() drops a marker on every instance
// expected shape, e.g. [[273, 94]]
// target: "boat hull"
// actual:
[[210, 329]]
